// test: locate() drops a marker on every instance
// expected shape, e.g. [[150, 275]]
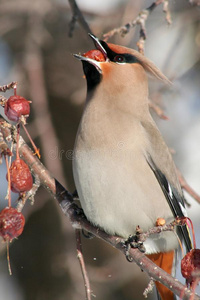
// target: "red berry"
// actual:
[[189, 264], [15, 107], [95, 54], [11, 223], [20, 176]]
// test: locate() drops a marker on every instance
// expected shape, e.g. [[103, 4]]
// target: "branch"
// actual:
[[158, 110], [79, 221], [141, 21], [33, 63], [4, 88], [77, 16], [82, 264], [187, 188]]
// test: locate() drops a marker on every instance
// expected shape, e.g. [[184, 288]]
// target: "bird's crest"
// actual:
[[145, 62]]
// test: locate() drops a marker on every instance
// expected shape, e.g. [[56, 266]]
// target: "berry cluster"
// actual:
[[19, 177]]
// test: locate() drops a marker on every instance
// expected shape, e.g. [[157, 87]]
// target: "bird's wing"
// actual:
[[174, 200]]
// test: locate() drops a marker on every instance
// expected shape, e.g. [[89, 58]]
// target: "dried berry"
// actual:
[[160, 222], [20, 176], [11, 223], [189, 264], [95, 54], [15, 107]]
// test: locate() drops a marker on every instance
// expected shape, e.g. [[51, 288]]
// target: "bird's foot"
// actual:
[[133, 241], [75, 195], [87, 234]]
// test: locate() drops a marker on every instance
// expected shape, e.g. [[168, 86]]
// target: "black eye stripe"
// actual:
[[119, 57]]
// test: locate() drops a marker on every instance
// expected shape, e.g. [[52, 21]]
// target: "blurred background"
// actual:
[[36, 51]]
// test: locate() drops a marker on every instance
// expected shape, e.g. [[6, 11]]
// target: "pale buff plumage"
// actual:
[[117, 188]]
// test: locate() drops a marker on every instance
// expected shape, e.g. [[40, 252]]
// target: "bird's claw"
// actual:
[[133, 242], [87, 234]]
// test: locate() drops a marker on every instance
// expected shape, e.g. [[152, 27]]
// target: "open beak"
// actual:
[[98, 45], [92, 61]]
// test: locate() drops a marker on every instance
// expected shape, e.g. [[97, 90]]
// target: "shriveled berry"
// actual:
[[95, 54], [189, 264], [11, 223], [160, 222], [20, 176], [15, 107]]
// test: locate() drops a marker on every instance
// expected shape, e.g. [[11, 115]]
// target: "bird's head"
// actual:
[[112, 60], [118, 71]]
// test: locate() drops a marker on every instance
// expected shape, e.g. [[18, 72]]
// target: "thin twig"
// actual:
[[77, 16], [48, 139], [4, 88], [8, 257], [8, 196], [187, 187], [141, 21], [167, 12], [149, 288], [158, 110], [82, 264]]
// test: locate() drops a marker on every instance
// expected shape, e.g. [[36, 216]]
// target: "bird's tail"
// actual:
[[165, 262]]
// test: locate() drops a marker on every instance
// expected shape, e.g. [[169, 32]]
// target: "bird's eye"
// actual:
[[119, 59]]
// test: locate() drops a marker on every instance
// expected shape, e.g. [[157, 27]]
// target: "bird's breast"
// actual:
[[114, 181]]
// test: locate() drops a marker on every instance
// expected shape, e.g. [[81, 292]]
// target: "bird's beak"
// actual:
[[98, 45], [92, 61]]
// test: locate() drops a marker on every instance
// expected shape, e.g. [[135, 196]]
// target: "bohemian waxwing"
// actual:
[[123, 170]]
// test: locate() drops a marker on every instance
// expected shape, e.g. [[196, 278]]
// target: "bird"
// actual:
[[123, 170]]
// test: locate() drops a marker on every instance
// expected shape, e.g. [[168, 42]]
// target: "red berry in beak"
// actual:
[[95, 54]]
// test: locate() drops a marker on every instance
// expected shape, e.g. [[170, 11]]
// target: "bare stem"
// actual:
[[149, 288], [82, 264], [8, 257], [77, 16], [9, 181], [186, 187], [141, 21], [4, 88]]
